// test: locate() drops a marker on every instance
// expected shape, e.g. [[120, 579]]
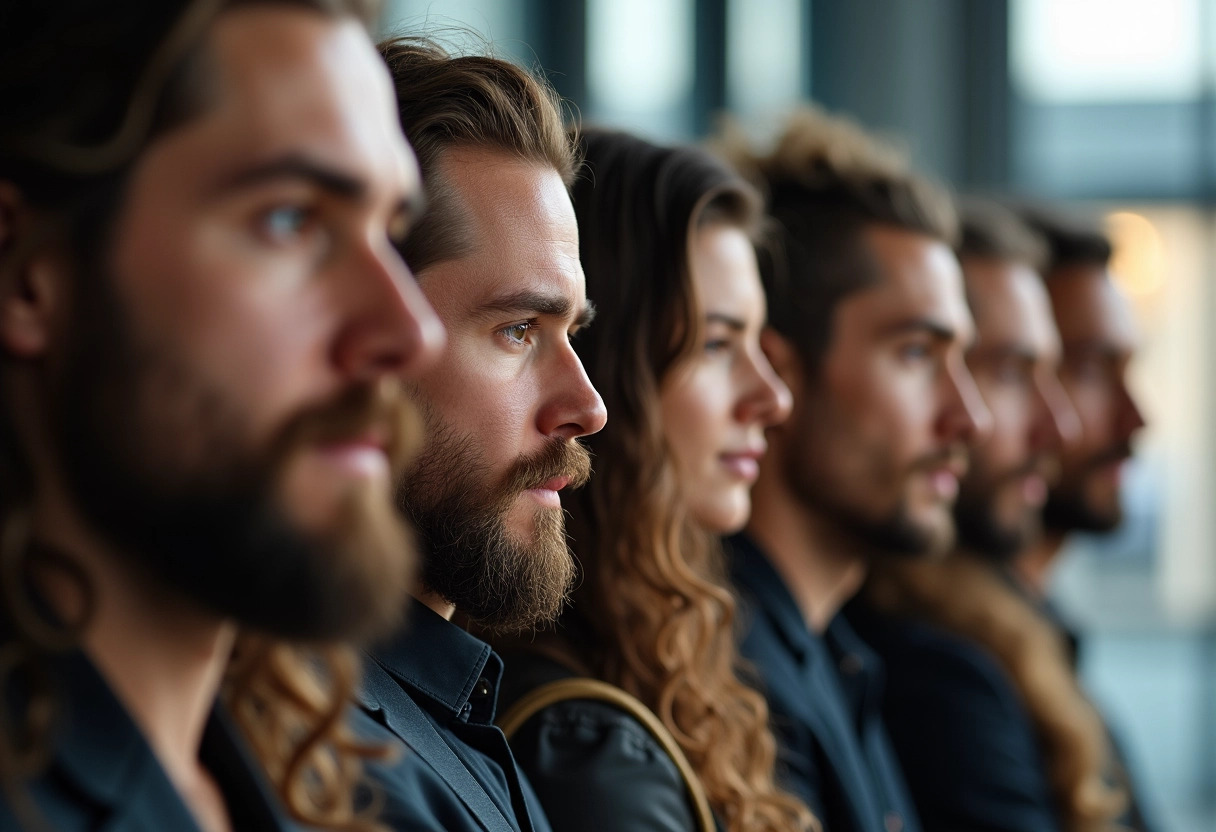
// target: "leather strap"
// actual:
[[581, 688]]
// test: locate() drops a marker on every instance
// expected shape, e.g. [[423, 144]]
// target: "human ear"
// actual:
[[30, 280]]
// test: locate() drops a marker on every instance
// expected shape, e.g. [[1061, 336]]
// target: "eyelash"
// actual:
[[524, 326]]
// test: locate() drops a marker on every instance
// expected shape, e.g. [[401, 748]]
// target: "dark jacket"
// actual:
[[824, 694], [103, 774], [966, 741], [595, 767], [435, 689]]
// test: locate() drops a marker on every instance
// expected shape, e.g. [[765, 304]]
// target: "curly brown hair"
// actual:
[[655, 614], [68, 147]]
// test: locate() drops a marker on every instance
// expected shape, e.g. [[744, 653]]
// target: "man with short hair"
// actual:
[[869, 325], [498, 257], [968, 668], [1099, 339], [204, 333]]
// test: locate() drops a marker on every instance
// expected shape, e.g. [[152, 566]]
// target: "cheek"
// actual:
[[262, 342], [694, 421], [483, 394]]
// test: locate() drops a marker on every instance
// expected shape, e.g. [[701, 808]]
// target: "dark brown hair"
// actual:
[[87, 88], [1071, 240], [993, 232], [470, 101], [654, 614], [825, 183]]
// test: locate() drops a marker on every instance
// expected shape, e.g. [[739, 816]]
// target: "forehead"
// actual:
[[1090, 310], [919, 279], [521, 228], [294, 81], [1010, 305], [725, 275]]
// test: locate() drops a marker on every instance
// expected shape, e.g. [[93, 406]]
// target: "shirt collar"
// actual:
[[436, 659], [755, 575]]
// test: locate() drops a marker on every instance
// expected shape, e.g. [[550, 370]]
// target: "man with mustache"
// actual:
[[983, 702], [204, 336], [498, 256], [869, 325], [958, 704]]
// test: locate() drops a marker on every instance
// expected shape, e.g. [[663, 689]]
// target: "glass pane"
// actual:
[[1103, 50], [639, 65], [764, 66], [464, 25]]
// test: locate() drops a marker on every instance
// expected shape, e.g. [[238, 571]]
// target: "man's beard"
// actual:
[[1069, 510], [158, 460], [470, 559], [979, 527], [894, 533]]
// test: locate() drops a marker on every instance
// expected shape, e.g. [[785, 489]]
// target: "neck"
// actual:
[[439, 606], [164, 659], [1033, 567], [821, 567]]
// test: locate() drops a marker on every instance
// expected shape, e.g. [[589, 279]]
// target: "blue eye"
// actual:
[[285, 222], [914, 352], [716, 345]]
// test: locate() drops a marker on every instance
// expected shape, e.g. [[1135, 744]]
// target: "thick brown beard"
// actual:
[[158, 460], [471, 560]]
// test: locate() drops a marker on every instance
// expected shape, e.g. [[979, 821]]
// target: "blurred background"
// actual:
[[1110, 104]]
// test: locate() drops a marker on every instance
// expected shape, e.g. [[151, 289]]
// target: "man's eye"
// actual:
[[516, 333], [717, 345], [285, 222], [914, 352]]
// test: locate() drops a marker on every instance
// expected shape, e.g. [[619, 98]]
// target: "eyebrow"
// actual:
[[295, 166], [528, 301], [942, 333], [737, 324]]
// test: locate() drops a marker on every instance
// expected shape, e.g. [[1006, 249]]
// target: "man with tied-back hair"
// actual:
[[498, 257], [204, 334], [868, 327]]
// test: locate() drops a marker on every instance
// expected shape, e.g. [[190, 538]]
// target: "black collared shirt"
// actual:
[[104, 776], [824, 694], [435, 688]]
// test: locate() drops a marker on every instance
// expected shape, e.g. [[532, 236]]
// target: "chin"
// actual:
[[725, 518]]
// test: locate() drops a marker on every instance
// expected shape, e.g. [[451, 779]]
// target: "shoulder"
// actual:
[[405, 789], [596, 767], [966, 742]]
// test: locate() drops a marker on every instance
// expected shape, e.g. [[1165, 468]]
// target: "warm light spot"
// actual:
[[1139, 262]]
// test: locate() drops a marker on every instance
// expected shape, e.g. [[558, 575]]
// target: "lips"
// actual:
[[744, 464]]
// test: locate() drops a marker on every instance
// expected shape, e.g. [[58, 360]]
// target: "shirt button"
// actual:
[[482, 689], [851, 664], [893, 822]]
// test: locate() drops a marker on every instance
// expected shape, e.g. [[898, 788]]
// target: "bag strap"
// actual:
[[581, 688]]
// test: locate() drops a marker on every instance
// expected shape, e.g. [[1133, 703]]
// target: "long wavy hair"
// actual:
[[82, 102], [970, 598], [654, 613]]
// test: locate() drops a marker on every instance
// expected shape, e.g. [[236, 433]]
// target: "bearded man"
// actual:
[[204, 336], [498, 257]]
